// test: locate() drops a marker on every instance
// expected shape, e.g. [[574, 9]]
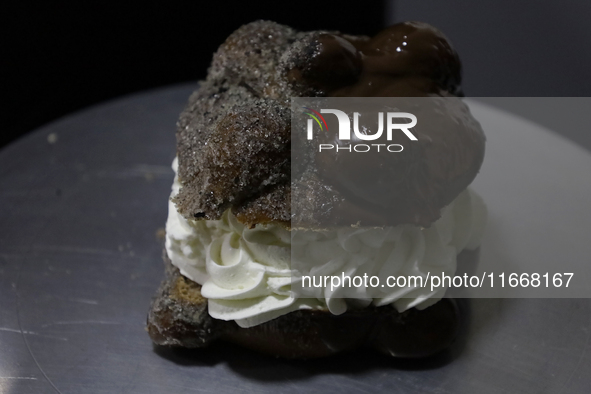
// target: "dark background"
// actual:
[[523, 48], [58, 57], [519, 48]]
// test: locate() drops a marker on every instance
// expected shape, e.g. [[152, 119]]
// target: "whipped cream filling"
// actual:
[[246, 274]]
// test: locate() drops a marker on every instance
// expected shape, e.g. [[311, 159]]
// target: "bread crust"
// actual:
[[234, 138]]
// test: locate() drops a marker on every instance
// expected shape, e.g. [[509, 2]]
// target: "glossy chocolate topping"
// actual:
[[404, 60]]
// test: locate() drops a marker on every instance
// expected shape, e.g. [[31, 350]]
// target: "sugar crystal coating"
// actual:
[[234, 142]]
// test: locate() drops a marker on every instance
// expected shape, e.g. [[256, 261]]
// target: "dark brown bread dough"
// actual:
[[234, 135], [178, 317]]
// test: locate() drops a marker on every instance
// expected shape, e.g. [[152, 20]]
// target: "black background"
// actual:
[[58, 57], [61, 56]]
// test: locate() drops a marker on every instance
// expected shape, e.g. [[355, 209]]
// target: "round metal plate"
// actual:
[[82, 203]]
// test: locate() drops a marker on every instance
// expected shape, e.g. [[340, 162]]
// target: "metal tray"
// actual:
[[82, 204]]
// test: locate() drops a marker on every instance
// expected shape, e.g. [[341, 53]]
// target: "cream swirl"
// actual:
[[246, 274]]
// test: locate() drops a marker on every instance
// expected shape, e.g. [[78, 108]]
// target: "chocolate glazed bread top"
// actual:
[[234, 140]]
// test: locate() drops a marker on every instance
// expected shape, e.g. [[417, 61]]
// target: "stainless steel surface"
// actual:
[[80, 260]]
